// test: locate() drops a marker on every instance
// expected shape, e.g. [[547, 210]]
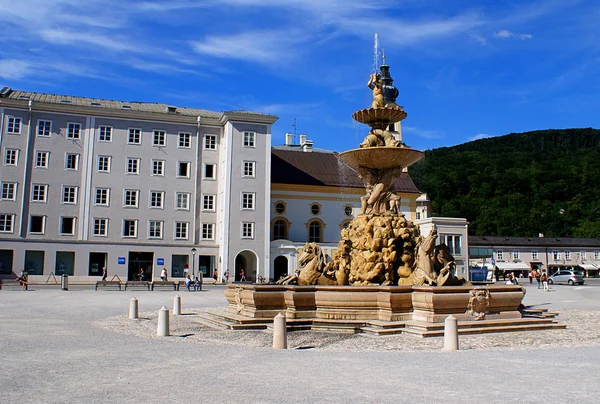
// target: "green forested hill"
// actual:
[[520, 184]]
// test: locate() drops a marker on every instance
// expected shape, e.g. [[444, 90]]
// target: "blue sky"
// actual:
[[465, 69]]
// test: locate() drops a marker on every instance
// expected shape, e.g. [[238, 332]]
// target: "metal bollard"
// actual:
[[163, 322], [451, 333], [177, 305], [279, 332], [133, 309]]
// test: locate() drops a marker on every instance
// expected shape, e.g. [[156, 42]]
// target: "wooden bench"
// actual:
[[107, 284], [163, 284], [136, 285], [13, 284]]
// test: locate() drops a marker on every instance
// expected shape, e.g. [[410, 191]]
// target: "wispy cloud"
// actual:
[[12, 69], [479, 136], [424, 133], [504, 33]]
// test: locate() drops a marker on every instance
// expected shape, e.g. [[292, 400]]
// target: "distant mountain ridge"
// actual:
[[520, 184]]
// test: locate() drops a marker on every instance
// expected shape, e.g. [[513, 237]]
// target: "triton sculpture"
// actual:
[[380, 246]]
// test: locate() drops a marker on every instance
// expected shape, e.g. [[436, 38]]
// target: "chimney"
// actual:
[[289, 139], [302, 139], [307, 146]]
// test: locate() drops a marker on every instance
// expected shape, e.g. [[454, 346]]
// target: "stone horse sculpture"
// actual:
[[312, 269]]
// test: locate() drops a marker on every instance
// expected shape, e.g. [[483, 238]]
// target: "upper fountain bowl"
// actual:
[[380, 157], [379, 116]]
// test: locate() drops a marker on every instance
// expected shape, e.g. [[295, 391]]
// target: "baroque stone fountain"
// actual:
[[385, 276]]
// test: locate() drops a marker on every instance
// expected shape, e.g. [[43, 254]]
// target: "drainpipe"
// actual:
[[196, 180], [26, 175]]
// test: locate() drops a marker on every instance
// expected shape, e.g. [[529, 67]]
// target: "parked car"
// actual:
[[564, 276]]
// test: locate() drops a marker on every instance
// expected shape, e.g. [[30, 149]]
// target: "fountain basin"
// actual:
[[379, 116], [381, 157]]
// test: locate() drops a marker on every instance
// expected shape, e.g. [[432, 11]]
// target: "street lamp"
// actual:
[[193, 263]]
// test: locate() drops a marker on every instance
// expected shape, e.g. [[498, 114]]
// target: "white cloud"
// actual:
[[504, 33], [424, 133], [479, 136], [12, 69]]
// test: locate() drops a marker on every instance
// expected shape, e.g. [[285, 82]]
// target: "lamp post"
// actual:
[[193, 263]]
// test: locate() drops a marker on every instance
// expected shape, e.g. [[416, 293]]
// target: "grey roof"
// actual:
[[293, 166], [492, 241], [157, 108]]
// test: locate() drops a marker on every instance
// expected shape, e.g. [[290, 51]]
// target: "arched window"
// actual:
[[315, 232], [280, 229]]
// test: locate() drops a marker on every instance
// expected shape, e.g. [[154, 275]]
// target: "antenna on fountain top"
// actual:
[[383, 55], [376, 53]]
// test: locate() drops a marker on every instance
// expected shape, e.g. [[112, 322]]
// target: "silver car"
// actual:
[[565, 276]]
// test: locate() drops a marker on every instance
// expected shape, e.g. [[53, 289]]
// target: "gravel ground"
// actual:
[[583, 330]]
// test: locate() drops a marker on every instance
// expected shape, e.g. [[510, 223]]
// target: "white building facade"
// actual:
[[133, 187]]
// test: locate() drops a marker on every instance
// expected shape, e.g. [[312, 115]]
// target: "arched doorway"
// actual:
[[281, 267], [248, 261]]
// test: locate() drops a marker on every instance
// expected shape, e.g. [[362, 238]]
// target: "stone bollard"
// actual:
[[163, 322], [177, 305], [133, 309], [279, 332], [451, 333]]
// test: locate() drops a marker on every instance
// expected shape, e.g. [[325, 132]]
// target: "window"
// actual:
[[280, 207], [73, 131], [41, 159], [209, 171], [6, 223], [72, 161], [104, 164], [159, 138], [183, 170], [134, 136], [156, 199], [418, 215], [208, 231], [584, 255], [453, 242], [210, 142], [181, 230], [248, 200], [100, 227], [555, 255], [69, 194], [37, 224], [516, 254], [315, 209], [11, 157], [249, 139], [596, 255], [348, 210], [155, 228], [105, 134], [249, 167], [500, 255], [38, 193], [208, 202], [13, 125], [130, 228], [102, 196], [279, 230], [314, 232], [44, 128], [133, 165], [182, 201], [131, 198], [247, 229], [185, 140], [158, 167], [567, 255], [67, 226], [9, 191], [534, 255]]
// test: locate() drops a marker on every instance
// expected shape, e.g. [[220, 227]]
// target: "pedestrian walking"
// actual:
[[242, 276], [104, 273], [538, 278], [544, 279]]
